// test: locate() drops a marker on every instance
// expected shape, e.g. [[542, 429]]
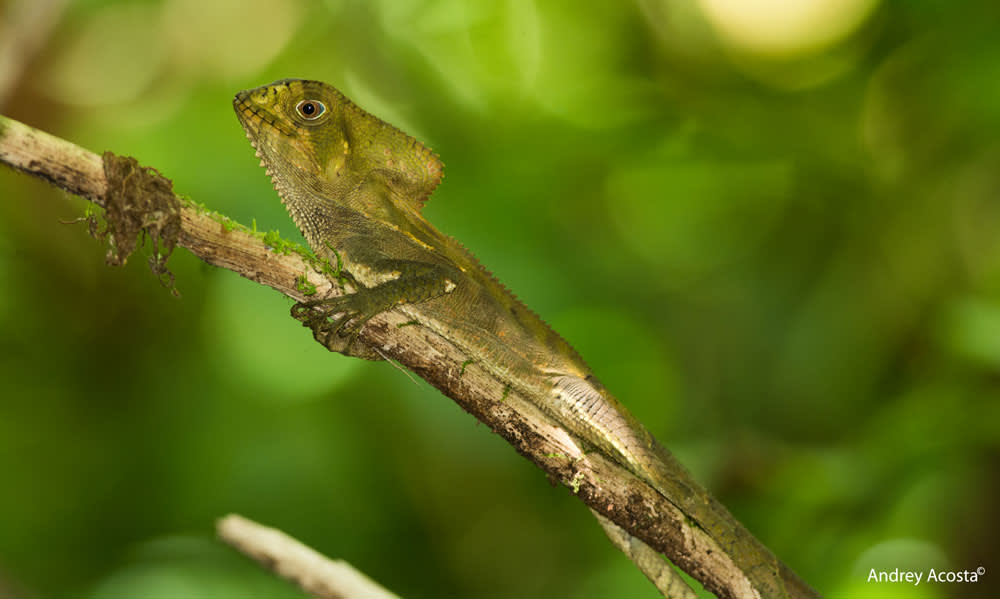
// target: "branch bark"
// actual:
[[315, 573], [657, 570], [605, 486]]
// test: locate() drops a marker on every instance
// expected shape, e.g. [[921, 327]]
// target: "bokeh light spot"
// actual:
[[785, 27]]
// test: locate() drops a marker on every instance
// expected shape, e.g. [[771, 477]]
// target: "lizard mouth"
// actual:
[[255, 118], [249, 118], [255, 125]]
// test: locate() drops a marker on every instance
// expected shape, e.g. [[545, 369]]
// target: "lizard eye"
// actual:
[[310, 110]]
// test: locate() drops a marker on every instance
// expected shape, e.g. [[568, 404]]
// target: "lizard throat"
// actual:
[[295, 201]]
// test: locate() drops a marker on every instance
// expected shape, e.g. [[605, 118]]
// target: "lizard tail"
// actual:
[[601, 419]]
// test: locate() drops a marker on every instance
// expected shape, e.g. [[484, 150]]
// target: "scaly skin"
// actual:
[[355, 185]]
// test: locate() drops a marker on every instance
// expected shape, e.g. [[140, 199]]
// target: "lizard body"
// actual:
[[355, 186]]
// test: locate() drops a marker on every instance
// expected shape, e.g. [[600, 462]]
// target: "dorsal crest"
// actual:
[[412, 169]]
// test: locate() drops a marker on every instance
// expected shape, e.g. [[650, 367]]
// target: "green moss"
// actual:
[[338, 271], [506, 392], [464, 364], [227, 223], [327, 269], [406, 324], [303, 285], [272, 239]]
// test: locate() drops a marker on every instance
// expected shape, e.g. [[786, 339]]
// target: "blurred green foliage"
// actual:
[[785, 261]]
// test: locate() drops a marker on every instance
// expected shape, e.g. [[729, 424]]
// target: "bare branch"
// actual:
[[290, 559], [657, 570], [604, 485]]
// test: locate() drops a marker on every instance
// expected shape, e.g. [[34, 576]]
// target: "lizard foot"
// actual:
[[336, 322]]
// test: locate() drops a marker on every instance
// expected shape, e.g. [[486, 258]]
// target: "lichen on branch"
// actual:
[[139, 202]]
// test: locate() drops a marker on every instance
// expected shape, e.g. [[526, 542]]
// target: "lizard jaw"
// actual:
[[288, 194], [252, 125]]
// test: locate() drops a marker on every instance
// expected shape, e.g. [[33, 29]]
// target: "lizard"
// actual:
[[355, 186]]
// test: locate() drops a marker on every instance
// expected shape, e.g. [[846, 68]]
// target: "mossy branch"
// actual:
[[638, 512]]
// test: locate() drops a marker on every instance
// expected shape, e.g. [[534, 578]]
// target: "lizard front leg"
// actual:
[[336, 321]]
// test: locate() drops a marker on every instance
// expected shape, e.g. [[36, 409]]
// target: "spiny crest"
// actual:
[[412, 163], [409, 167]]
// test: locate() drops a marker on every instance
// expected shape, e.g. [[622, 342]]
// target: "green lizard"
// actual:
[[355, 186]]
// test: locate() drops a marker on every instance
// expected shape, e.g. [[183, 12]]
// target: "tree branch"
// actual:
[[604, 485], [657, 570], [317, 574]]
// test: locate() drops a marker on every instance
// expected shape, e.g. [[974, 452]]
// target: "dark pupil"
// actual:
[[308, 108]]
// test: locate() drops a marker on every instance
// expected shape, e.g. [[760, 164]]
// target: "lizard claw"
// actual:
[[334, 319]]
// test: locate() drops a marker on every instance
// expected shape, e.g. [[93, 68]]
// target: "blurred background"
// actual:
[[771, 226]]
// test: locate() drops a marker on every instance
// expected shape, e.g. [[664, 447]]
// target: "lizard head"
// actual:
[[313, 140]]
